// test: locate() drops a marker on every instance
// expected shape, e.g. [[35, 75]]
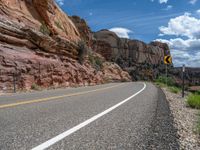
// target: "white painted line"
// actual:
[[83, 124]]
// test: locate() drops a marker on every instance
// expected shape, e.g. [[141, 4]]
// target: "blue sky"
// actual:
[[176, 22]]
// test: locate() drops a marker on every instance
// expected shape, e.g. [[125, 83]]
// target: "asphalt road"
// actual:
[[118, 116]]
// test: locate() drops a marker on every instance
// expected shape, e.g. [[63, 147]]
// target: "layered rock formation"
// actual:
[[39, 46], [143, 61]]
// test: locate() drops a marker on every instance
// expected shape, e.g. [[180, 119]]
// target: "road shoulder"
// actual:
[[163, 134], [185, 119]]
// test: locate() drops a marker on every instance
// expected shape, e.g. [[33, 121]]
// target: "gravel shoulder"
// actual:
[[185, 120], [163, 134]]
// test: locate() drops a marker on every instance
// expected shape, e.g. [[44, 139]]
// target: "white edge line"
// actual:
[[83, 124]]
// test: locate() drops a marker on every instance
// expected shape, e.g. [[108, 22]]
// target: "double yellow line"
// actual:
[[24, 102]]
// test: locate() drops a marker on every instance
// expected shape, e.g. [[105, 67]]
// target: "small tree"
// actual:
[[44, 29], [82, 51]]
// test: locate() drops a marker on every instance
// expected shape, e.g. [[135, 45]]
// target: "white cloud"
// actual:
[[60, 2], [121, 32], [193, 1], [168, 7], [183, 45], [184, 51], [198, 12], [187, 50], [184, 25], [163, 1]]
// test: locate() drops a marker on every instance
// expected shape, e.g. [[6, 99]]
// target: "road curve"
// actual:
[[113, 116]]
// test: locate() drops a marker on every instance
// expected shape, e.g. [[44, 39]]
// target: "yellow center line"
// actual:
[[54, 97]]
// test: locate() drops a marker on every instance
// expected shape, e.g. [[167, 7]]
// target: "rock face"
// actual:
[[39, 45], [143, 61], [83, 28], [38, 14]]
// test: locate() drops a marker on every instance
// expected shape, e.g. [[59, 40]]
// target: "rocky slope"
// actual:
[[39, 46]]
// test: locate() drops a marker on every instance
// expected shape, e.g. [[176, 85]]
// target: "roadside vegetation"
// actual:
[[35, 87], [193, 99], [168, 82]]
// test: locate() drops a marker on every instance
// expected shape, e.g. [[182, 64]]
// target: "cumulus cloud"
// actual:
[[60, 2], [184, 25], [163, 1], [184, 50], [121, 32], [160, 1], [183, 45]]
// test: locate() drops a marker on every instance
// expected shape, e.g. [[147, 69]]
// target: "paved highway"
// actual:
[[118, 116]]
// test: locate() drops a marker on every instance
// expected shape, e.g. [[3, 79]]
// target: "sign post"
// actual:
[[167, 61], [183, 81], [166, 69]]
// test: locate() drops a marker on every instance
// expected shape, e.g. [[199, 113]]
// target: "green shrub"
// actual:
[[96, 62], [174, 89], [58, 24], [35, 87], [193, 101], [91, 59], [44, 29], [82, 51], [163, 79], [198, 92]]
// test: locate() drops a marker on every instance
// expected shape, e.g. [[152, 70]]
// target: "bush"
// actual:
[[82, 51], [163, 79], [58, 24], [96, 62], [193, 101], [174, 89], [198, 92], [35, 87], [44, 29]]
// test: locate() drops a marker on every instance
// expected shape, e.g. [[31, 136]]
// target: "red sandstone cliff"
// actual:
[[39, 44]]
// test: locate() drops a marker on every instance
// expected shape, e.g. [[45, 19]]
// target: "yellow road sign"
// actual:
[[168, 60]]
